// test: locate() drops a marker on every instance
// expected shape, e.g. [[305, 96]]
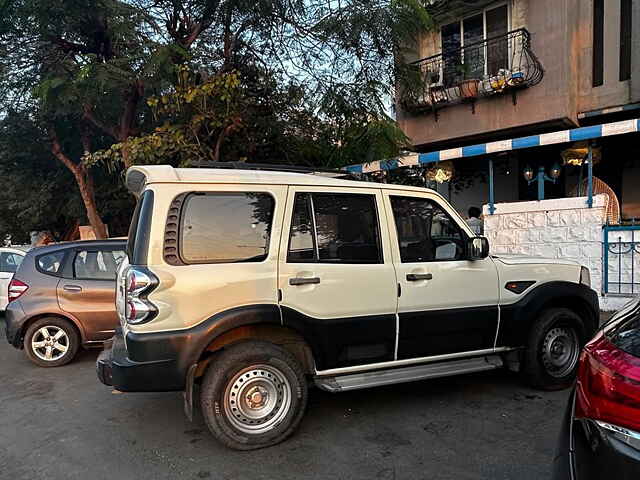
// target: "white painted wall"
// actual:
[[558, 228]]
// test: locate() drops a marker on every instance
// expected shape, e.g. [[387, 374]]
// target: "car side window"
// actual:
[[9, 262], [426, 233], [334, 228], [226, 227], [50, 263], [97, 264]]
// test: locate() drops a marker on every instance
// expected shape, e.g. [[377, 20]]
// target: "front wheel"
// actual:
[[253, 395], [553, 350]]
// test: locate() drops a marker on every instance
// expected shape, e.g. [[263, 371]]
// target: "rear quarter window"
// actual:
[[51, 263], [226, 227]]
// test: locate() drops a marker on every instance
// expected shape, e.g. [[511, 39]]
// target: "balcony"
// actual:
[[496, 66]]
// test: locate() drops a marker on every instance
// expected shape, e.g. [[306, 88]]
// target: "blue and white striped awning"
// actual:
[[563, 136]]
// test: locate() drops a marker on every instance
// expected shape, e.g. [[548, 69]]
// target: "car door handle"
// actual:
[[72, 288], [303, 281], [415, 277]]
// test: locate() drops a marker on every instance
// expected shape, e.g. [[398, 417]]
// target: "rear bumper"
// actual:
[[115, 368], [586, 451], [14, 320]]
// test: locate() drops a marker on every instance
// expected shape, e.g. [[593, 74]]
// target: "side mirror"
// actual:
[[478, 248]]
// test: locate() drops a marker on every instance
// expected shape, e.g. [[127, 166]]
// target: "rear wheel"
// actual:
[[51, 342], [253, 395], [553, 350]]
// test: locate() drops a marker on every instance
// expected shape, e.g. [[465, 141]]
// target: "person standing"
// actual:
[[474, 220]]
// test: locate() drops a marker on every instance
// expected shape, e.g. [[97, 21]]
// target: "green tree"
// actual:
[[313, 80]]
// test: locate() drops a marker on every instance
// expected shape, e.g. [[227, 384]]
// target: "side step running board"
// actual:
[[407, 374]]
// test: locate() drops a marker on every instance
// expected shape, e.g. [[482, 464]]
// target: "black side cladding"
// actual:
[[516, 319], [160, 361]]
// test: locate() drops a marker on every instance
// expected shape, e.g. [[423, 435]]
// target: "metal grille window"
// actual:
[[621, 249], [464, 50]]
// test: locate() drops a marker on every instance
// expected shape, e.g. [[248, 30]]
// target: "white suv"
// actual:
[[251, 282]]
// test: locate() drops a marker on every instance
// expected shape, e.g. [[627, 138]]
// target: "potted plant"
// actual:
[[468, 86]]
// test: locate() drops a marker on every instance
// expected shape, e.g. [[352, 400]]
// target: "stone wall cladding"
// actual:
[[559, 228]]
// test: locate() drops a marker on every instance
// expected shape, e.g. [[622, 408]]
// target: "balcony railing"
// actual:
[[497, 65]]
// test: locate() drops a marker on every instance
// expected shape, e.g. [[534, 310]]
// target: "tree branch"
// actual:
[[90, 117], [56, 149]]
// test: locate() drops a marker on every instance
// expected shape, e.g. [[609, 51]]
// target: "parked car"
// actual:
[[63, 297], [253, 281], [10, 260], [600, 437]]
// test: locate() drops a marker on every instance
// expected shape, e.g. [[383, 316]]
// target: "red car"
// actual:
[[600, 438]]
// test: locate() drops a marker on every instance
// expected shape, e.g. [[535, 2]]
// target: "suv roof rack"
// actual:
[[325, 172]]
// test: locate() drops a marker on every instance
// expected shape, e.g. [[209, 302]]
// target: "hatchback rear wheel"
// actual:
[[51, 342]]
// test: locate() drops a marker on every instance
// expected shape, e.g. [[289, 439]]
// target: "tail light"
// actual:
[[16, 289], [138, 283], [608, 387]]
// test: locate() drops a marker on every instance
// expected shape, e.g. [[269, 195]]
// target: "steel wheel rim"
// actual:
[[257, 399], [560, 351], [50, 343]]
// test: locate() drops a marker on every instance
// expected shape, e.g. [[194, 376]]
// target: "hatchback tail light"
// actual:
[[608, 386], [16, 289], [138, 282]]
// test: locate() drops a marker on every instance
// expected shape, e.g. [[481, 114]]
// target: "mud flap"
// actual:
[[188, 392]]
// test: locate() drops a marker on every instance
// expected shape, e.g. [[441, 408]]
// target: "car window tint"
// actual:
[[627, 336], [9, 262], [301, 241], [345, 229], [97, 264], [226, 227], [426, 233], [51, 263]]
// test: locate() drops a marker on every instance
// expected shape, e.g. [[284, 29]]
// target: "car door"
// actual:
[[89, 293], [336, 276], [448, 304], [9, 263]]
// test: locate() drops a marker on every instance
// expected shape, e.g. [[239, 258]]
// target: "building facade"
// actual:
[[491, 71], [501, 91]]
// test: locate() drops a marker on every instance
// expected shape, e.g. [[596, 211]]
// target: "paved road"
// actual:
[[62, 424]]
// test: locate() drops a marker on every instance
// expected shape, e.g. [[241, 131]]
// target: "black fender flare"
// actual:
[[517, 319], [183, 348]]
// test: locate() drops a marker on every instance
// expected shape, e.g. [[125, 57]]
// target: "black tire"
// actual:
[[69, 339], [264, 366], [548, 362]]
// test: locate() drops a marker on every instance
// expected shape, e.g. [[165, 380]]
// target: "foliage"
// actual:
[[108, 83], [193, 115], [38, 194]]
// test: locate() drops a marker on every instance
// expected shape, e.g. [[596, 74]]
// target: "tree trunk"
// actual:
[[85, 185]]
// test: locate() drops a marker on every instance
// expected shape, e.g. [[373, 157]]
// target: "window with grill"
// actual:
[[475, 46]]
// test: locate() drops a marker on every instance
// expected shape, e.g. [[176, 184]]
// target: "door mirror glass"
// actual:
[[478, 248]]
